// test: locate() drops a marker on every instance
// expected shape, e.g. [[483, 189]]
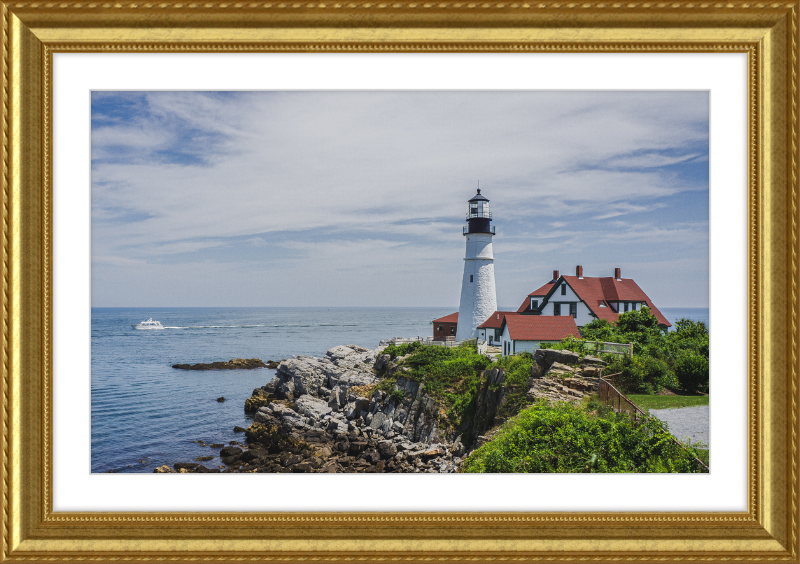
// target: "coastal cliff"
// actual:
[[360, 410]]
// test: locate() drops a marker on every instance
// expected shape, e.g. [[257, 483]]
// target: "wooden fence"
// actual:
[[608, 348], [612, 397]]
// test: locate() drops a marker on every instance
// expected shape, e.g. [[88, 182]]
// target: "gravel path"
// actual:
[[686, 422]]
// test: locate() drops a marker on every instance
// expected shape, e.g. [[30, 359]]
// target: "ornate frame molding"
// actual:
[[33, 31]]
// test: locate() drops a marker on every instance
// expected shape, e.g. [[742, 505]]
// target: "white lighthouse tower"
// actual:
[[478, 296]]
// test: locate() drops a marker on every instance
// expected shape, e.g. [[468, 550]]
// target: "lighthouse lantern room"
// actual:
[[478, 296]]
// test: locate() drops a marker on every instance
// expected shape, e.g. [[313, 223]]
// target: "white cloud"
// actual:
[[374, 170]]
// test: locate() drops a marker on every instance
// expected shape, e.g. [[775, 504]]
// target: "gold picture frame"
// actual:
[[33, 30]]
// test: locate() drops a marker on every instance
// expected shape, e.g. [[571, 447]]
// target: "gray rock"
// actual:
[[593, 360], [311, 407], [377, 420], [286, 390], [564, 357], [387, 449]]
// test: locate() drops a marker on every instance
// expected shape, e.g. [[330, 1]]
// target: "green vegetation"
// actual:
[[660, 359], [450, 375], [648, 402], [567, 438]]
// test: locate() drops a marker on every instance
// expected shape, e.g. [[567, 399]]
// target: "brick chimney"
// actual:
[[618, 273], [579, 271], [555, 275]]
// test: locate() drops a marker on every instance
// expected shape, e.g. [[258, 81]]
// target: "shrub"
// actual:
[[401, 350], [565, 438], [691, 370]]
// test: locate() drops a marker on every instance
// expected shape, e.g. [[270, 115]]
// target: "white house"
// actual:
[[585, 298], [489, 330], [520, 333]]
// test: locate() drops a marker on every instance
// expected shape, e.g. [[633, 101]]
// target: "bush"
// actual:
[[565, 438], [691, 370], [642, 374], [401, 350]]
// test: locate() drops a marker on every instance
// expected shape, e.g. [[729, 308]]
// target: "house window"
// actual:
[[452, 330], [556, 309], [573, 310], [626, 306], [439, 328], [563, 289], [534, 304], [470, 277]]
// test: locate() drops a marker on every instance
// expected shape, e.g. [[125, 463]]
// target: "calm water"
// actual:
[[694, 313], [145, 413]]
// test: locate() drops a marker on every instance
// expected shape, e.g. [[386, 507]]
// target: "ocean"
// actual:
[[146, 413]]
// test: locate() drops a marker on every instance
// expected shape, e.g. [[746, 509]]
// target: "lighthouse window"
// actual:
[[470, 277]]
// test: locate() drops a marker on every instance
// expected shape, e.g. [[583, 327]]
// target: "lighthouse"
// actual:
[[478, 296]]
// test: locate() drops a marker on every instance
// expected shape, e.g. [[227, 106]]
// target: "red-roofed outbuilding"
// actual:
[[526, 332], [444, 328], [489, 330]]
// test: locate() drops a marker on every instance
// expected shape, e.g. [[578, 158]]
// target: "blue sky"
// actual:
[[358, 198]]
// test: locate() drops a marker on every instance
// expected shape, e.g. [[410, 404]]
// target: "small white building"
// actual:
[[489, 330], [520, 333]]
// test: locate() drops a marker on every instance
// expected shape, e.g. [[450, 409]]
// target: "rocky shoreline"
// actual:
[[330, 415], [232, 364]]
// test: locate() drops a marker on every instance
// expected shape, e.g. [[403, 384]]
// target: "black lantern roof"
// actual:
[[478, 197]]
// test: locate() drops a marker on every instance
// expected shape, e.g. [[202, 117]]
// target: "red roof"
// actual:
[[495, 321], [541, 327], [596, 291], [452, 318], [543, 291]]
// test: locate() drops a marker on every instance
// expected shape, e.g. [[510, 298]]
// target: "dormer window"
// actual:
[[534, 303]]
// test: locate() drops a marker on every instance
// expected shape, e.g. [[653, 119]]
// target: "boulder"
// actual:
[[165, 469], [377, 420], [550, 356], [253, 454], [187, 465], [232, 364], [387, 449], [311, 407], [230, 451], [593, 360], [286, 390]]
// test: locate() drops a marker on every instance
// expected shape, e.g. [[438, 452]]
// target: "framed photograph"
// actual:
[[115, 112]]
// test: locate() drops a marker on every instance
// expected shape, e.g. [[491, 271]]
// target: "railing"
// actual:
[[449, 341], [484, 214], [490, 230], [608, 348], [612, 397]]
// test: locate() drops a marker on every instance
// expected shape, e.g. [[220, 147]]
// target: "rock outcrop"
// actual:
[[232, 364], [337, 414]]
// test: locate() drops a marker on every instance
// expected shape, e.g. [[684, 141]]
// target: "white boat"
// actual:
[[149, 324]]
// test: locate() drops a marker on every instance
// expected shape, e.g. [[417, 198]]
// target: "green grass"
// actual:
[[648, 402]]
